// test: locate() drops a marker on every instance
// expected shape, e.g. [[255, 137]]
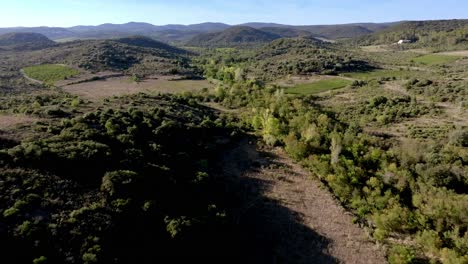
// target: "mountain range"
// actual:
[[181, 33]]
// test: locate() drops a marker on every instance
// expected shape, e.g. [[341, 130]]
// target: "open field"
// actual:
[[402, 73], [50, 73], [123, 85], [376, 48], [436, 59], [462, 53], [378, 74], [319, 86], [87, 77]]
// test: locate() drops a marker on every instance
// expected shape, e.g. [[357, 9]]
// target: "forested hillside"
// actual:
[[443, 34], [235, 36], [107, 186], [25, 41], [282, 57]]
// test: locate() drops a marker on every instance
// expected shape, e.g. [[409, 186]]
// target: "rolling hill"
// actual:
[[288, 32], [234, 36], [132, 55], [25, 41], [338, 31], [332, 32], [145, 42], [180, 33], [301, 56]]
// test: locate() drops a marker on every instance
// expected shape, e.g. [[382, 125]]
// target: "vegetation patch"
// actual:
[[379, 74], [433, 59], [50, 73], [319, 86]]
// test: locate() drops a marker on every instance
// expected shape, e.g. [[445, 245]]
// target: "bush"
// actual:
[[401, 255], [119, 183]]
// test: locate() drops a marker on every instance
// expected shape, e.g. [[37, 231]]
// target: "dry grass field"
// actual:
[[123, 85]]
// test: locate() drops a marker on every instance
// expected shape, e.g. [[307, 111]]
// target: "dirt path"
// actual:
[[295, 219], [29, 78]]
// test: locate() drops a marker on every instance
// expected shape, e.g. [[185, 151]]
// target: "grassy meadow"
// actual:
[[436, 59], [50, 73]]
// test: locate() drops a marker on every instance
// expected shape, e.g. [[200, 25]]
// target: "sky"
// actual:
[[65, 13]]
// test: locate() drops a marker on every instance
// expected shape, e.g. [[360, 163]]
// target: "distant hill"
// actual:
[[145, 42], [337, 31], [25, 41], [175, 36], [180, 33], [259, 25], [50, 32], [234, 36], [288, 32], [330, 31], [440, 34], [207, 27]]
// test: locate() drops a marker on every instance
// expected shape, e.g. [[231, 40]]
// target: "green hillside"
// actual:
[[234, 36], [25, 41], [437, 34]]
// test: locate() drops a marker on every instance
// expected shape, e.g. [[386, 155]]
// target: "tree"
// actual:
[[336, 147]]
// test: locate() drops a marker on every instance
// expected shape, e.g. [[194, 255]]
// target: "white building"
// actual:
[[404, 41]]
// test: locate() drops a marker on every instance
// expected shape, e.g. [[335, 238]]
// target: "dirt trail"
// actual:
[[296, 219], [29, 78]]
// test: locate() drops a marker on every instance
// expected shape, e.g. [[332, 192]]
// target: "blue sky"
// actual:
[[297, 12]]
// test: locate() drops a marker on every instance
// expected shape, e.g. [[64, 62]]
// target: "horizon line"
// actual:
[[253, 22]]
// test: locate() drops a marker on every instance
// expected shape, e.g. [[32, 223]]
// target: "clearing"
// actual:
[[319, 86], [294, 218], [436, 59], [50, 73], [461, 53], [10, 121], [119, 86], [376, 48], [384, 73]]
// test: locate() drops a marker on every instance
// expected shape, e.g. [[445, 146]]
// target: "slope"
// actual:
[[301, 56], [442, 34], [233, 36], [25, 41]]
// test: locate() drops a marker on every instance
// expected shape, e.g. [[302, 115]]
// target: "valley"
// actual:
[[255, 143]]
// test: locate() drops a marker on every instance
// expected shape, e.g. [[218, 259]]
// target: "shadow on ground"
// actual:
[[269, 232]]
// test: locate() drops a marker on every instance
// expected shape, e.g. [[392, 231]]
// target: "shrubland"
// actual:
[[410, 190]]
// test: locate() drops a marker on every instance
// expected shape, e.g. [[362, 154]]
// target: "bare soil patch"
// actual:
[[119, 86], [294, 219], [10, 121]]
